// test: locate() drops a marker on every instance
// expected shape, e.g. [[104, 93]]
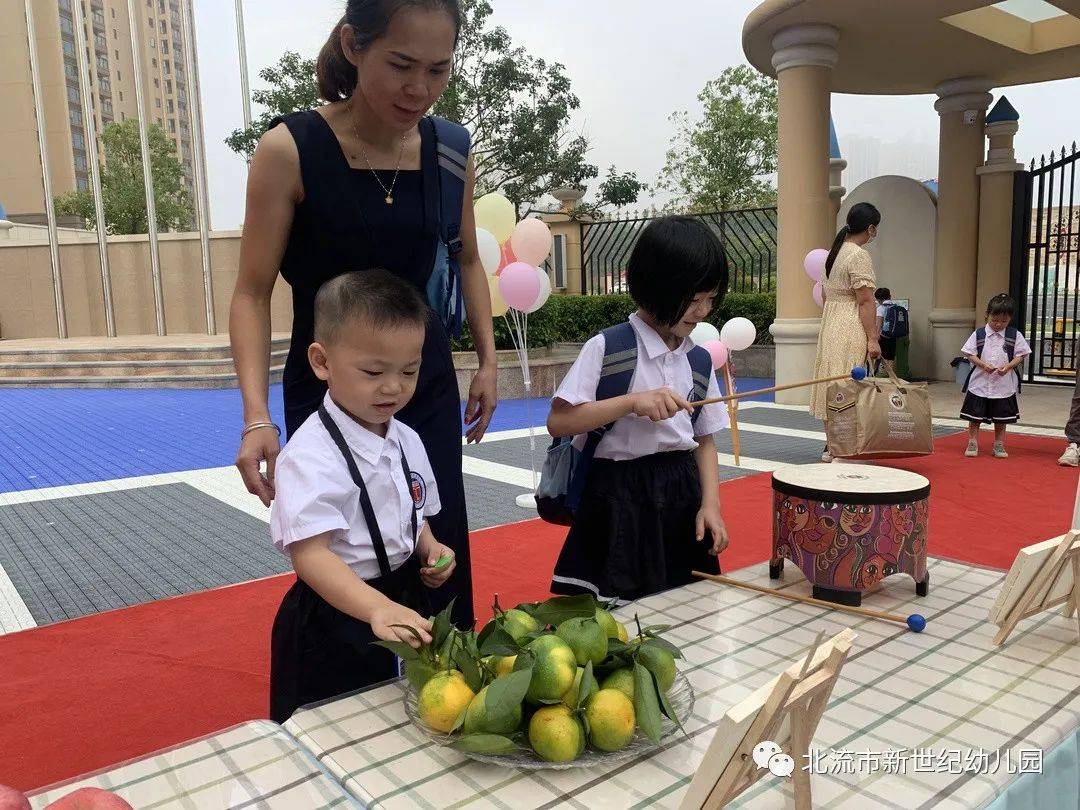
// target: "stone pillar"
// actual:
[[961, 106], [996, 178], [803, 57], [571, 229], [837, 164]]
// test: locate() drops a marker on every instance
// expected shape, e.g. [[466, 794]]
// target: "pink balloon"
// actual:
[[814, 263], [531, 241], [818, 293], [718, 351], [519, 285]]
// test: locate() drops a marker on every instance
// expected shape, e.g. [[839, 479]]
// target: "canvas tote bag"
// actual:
[[877, 418]]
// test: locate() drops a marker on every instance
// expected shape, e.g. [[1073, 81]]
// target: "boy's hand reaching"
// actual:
[[709, 519], [432, 574], [657, 405], [386, 616]]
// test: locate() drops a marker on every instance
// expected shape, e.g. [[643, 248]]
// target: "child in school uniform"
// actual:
[[650, 509], [353, 486], [995, 352], [883, 296]]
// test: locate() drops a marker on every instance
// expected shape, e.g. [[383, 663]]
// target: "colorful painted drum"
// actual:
[[848, 526]]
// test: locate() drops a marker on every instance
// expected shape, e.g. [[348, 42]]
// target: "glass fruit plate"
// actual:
[[680, 696]]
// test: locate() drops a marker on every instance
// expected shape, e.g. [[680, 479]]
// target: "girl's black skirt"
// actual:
[[990, 411], [634, 532]]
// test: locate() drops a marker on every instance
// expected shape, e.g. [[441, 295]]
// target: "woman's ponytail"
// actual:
[[841, 235], [334, 74]]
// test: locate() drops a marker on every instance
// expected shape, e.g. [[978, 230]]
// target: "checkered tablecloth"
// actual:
[[256, 765], [923, 704]]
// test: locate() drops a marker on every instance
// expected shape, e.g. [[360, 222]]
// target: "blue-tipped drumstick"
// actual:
[[857, 373], [914, 622]]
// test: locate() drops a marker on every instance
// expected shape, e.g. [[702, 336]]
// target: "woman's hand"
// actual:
[[483, 398], [873, 349], [259, 445]]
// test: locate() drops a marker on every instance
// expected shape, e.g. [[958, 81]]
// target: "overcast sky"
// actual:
[[630, 66]]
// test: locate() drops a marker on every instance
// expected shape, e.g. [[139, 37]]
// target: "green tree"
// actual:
[[290, 87], [723, 160], [516, 106], [123, 194]]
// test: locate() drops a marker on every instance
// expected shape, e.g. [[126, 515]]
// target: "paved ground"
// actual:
[[114, 498]]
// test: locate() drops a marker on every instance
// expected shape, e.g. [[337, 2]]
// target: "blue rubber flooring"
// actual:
[[63, 436]]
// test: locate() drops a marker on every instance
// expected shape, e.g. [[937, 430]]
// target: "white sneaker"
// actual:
[[999, 450], [1071, 457], [826, 457], [972, 448]]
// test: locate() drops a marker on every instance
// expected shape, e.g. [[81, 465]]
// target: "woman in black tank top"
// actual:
[[342, 188]]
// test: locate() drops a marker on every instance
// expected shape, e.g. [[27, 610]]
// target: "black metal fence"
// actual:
[[749, 237], [1046, 264]]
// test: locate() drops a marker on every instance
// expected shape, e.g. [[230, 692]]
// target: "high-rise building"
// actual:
[[166, 87]]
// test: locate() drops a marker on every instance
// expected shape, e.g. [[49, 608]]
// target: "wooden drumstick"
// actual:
[[914, 621], [733, 413], [857, 373]]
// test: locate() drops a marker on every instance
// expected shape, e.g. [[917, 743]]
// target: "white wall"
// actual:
[[903, 252]]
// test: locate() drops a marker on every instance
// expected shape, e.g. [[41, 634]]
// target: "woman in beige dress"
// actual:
[[849, 332]]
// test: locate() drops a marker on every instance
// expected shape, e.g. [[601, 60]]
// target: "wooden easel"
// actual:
[[1037, 595], [733, 412], [786, 712]]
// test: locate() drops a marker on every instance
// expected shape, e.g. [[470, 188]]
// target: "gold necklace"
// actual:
[[356, 134]]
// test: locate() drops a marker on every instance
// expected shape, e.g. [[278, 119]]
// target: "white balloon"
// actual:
[[703, 333], [545, 291], [738, 333], [490, 252]]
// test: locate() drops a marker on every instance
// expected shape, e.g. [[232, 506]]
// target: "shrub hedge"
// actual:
[[576, 318]]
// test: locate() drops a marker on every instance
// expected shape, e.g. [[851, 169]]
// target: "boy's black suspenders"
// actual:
[[365, 499]]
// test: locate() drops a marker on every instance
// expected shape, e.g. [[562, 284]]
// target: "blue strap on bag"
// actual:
[[446, 168]]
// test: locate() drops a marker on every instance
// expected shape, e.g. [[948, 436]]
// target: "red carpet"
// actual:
[[84, 694]]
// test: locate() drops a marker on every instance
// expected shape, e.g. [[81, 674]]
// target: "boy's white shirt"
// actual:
[[657, 367], [314, 492]]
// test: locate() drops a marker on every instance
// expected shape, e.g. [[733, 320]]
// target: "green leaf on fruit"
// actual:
[[647, 703], [460, 721], [404, 651], [558, 609], [441, 626], [505, 695], [469, 668], [497, 642], [663, 644], [485, 744], [410, 630], [585, 691], [667, 708]]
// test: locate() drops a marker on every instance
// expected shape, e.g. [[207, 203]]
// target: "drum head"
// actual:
[[851, 483]]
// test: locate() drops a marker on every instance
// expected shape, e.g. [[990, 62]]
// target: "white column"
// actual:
[[137, 35], [46, 179], [803, 57], [961, 106], [90, 134]]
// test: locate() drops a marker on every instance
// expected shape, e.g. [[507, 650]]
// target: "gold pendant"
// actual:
[[389, 200]]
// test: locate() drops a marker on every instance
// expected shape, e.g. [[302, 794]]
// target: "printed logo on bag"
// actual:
[[839, 397], [897, 401], [418, 490]]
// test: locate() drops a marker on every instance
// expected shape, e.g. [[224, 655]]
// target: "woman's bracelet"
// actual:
[[256, 425]]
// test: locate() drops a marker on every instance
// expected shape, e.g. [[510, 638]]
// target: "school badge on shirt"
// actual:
[[418, 490]]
